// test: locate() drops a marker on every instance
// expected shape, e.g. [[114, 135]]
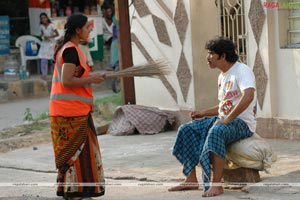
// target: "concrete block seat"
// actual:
[[246, 158]]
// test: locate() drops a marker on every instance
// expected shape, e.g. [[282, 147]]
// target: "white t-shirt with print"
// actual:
[[231, 84]]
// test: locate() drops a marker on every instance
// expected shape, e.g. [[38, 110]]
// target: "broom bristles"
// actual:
[[152, 69]]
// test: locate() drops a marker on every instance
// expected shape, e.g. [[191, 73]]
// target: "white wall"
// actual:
[[150, 91], [282, 66], [288, 83], [282, 99], [263, 47]]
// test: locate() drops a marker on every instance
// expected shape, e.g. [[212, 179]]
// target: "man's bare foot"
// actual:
[[213, 191], [185, 186]]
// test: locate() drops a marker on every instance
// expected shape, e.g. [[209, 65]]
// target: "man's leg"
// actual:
[[189, 143], [220, 136], [190, 183], [217, 168]]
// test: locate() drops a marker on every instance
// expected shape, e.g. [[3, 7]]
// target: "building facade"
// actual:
[[267, 36]]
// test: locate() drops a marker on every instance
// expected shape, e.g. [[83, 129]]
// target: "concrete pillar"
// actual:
[[204, 26]]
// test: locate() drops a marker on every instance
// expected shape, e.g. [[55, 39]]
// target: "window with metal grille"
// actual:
[[232, 24], [293, 37]]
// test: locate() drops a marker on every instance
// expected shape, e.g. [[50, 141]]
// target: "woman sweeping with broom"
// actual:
[[77, 153]]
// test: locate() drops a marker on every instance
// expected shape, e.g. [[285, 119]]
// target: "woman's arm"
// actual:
[[69, 80], [51, 36]]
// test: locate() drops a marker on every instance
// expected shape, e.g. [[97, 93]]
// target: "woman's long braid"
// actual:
[[60, 42]]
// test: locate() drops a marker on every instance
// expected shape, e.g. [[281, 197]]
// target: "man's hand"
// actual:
[[208, 112], [196, 114], [222, 121]]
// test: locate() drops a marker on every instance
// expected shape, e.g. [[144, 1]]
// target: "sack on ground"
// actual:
[[253, 152]]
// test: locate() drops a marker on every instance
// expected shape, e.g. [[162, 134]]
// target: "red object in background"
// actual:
[[91, 24], [39, 4]]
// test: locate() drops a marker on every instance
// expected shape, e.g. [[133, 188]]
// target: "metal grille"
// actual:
[[232, 25], [294, 23]]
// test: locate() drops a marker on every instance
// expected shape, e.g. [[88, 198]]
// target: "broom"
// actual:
[[152, 69]]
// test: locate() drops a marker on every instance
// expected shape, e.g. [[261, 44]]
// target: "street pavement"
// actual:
[[141, 167], [137, 167], [12, 113]]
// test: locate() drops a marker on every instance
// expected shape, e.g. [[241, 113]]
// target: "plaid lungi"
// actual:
[[196, 139]]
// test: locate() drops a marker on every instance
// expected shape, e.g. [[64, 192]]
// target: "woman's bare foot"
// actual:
[[185, 186], [213, 191]]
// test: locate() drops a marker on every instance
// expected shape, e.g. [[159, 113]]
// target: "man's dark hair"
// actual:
[[222, 45]]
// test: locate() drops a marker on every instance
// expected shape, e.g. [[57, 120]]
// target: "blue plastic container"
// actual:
[[31, 48]]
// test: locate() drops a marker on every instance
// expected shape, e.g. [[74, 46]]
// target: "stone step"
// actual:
[[20, 89]]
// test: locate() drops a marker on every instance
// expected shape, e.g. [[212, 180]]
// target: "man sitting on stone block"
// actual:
[[204, 141]]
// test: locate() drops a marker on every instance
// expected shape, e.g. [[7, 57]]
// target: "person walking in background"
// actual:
[[84, 47], [108, 12], [205, 140], [114, 48], [46, 51], [76, 148]]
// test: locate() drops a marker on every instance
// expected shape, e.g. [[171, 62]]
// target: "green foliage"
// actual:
[[115, 99], [106, 106], [42, 116], [33, 125], [27, 115]]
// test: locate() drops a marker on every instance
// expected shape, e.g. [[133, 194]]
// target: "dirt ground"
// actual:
[[29, 134], [24, 136], [20, 136]]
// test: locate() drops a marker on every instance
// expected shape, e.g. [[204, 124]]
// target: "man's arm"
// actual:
[[246, 99], [208, 112]]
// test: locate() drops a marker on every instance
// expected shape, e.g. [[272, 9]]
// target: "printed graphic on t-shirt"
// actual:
[[231, 94], [226, 107], [255, 109], [231, 87], [228, 85], [228, 95]]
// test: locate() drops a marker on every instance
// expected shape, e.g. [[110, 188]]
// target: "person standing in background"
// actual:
[[84, 47], [114, 48], [107, 11], [46, 51]]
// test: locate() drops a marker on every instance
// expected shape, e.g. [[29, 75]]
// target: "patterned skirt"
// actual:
[[77, 157], [197, 139]]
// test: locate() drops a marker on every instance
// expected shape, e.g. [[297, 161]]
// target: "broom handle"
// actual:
[[114, 75], [117, 75]]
